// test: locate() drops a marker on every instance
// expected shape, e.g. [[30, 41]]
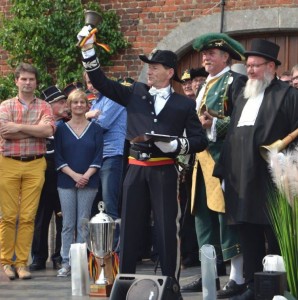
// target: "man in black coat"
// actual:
[[151, 180], [265, 111]]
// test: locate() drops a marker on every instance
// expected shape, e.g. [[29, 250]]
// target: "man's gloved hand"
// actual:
[[167, 147], [86, 35]]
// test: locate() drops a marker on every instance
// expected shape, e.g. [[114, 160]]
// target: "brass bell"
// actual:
[[92, 18]]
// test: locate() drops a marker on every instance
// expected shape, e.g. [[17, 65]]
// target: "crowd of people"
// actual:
[[190, 163]]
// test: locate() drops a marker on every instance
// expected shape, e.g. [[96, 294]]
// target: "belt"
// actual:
[[144, 155], [139, 155], [151, 162], [26, 158]]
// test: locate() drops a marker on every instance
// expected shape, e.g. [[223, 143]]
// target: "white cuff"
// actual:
[[211, 132], [88, 53]]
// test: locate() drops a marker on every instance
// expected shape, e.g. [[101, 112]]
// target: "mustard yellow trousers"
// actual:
[[20, 187]]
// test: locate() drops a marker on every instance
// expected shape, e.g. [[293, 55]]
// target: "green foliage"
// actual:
[[284, 219], [283, 210], [44, 33], [8, 88]]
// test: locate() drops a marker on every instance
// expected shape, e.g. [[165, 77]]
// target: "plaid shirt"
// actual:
[[13, 110]]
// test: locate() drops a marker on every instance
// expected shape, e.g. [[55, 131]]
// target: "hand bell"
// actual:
[[92, 18]]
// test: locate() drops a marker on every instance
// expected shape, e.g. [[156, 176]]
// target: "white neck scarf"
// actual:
[[163, 93], [250, 111], [161, 97]]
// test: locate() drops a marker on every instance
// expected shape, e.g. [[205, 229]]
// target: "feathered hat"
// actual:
[[219, 41]]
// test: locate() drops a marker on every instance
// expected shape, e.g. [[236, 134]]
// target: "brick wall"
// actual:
[[145, 23]]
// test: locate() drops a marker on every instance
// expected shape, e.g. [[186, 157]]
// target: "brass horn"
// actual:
[[278, 145], [92, 18]]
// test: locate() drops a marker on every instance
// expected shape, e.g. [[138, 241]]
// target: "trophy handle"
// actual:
[[117, 222], [85, 227]]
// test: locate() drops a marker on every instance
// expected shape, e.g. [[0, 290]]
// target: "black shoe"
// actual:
[[57, 264], [37, 266], [57, 261], [231, 289], [247, 295], [196, 286], [190, 261]]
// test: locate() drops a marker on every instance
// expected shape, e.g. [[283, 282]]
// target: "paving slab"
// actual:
[[46, 285]]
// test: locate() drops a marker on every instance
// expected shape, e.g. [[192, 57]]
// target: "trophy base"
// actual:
[[100, 290]]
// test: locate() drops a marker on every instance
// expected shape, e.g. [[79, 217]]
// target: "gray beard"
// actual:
[[254, 87]]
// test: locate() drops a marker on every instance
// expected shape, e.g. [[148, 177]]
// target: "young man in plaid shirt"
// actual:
[[25, 122]]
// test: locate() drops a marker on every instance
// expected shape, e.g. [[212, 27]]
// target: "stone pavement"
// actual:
[[46, 285]]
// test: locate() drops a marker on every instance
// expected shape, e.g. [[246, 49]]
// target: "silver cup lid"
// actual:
[[101, 217]]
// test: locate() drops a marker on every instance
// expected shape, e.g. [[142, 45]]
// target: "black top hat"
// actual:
[[199, 72], [264, 49], [164, 57], [52, 94], [72, 87]]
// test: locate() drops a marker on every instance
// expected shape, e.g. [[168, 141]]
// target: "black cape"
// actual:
[[245, 172]]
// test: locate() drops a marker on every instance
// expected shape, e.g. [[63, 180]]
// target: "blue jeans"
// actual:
[[111, 174], [111, 183]]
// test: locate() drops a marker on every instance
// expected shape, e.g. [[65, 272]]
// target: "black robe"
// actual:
[[245, 172]]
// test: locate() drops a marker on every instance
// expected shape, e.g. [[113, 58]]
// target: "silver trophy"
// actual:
[[100, 242]]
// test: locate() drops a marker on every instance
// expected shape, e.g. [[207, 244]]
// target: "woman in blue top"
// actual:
[[78, 155]]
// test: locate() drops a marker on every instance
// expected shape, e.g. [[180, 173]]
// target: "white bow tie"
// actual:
[[164, 92]]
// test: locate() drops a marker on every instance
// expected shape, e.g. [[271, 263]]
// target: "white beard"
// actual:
[[254, 87]]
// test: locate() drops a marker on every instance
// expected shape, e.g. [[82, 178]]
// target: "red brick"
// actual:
[[145, 23]]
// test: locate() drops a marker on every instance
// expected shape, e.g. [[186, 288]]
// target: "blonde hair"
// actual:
[[76, 95]]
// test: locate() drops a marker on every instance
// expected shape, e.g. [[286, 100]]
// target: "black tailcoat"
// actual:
[[148, 187]]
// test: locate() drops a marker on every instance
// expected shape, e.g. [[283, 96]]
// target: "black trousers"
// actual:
[[49, 204], [189, 242], [257, 241], [147, 188]]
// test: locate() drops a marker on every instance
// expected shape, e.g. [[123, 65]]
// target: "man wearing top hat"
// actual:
[[265, 111], [151, 180], [49, 202], [214, 105]]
